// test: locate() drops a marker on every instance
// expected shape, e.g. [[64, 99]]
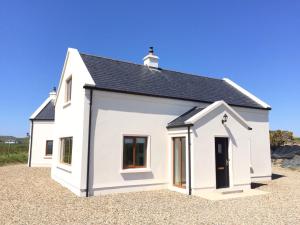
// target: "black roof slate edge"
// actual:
[[41, 120], [183, 125], [160, 96]]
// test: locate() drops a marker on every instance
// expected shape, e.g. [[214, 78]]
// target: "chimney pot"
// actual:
[[151, 51]]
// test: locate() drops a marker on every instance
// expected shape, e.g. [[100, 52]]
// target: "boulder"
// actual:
[[286, 152], [292, 163]]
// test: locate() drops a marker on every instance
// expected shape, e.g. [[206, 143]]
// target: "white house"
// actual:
[[10, 142], [41, 130], [123, 127]]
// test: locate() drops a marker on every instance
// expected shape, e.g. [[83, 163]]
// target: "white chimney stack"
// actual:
[[151, 60], [52, 94]]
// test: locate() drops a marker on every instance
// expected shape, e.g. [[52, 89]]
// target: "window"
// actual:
[[134, 152], [68, 89], [49, 147], [66, 150]]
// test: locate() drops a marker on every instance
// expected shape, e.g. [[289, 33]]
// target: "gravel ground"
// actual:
[[29, 196]]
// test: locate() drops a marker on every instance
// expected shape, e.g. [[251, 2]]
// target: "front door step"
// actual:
[[232, 192], [216, 196]]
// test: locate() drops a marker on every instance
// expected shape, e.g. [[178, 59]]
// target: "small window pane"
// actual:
[[220, 149], [128, 153], [49, 147], [140, 140], [140, 153], [128, 141]]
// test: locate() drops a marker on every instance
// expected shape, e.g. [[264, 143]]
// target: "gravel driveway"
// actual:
[[29, 196]]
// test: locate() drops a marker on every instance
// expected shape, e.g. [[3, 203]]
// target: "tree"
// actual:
[[280, 137]]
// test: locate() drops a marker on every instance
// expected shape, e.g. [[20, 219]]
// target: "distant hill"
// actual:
[[19, 140]]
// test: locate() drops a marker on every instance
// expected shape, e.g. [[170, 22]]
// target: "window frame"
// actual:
[[68, 89], [61, 151], [147, 153], [49, 155]]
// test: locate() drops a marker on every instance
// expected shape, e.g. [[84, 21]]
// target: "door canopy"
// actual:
[[190, 117]]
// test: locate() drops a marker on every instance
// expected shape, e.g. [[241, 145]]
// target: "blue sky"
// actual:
[[255, 43]]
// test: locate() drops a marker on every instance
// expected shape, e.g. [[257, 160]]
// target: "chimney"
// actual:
[[52, 94], [151, 60]]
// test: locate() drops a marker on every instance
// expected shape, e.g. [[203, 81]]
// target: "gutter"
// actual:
[[189, 158], [89, 146], [30, 147]]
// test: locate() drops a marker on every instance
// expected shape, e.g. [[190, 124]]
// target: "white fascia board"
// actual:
[[87, 76], [247, 93], [39, 109], [211, 108]]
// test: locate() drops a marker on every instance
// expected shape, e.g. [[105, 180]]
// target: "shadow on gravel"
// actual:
[[276, 176], [256, 185]]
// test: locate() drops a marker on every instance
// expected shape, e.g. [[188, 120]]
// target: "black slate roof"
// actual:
[[179, 121], [119, 76], [47, 113]]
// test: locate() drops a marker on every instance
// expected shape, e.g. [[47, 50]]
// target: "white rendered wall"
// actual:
[[259, 141], [116, 115], [42, 131], [71, 121], [203, 153]]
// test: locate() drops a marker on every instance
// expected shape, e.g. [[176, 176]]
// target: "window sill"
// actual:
[[136, 170], [67, 104], [65, 167], [48, 157]]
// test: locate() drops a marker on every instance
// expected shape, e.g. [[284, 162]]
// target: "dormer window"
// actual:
[[68, 89]]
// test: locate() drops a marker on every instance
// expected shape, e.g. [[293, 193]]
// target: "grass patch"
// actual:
[[297, 140], [13, 153]]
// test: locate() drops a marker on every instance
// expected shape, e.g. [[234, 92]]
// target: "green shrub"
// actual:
[[280, 137], [13, 153]]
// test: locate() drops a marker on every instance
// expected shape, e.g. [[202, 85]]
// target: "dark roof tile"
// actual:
[[179, 121], [47, 113], [114, 75]]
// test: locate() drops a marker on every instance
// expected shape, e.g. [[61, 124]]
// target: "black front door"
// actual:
[[222, 163]]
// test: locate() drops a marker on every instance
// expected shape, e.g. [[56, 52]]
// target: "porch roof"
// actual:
[[180, 121], [194, 114]]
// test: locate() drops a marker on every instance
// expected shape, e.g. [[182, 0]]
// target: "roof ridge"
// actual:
[[191, 74], [123, 61], [118, 60]]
